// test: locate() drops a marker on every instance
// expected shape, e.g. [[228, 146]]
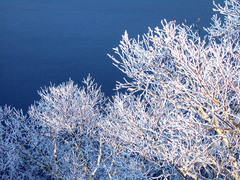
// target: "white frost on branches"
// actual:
[[190, 90], [67, 107], [179, 117], [231, 25]]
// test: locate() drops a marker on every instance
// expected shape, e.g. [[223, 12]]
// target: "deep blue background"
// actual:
[[43, 41]]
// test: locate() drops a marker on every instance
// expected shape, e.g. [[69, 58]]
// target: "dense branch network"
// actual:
[[178, 118]]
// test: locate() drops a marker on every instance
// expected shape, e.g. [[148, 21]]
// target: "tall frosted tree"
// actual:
[[182, 106]]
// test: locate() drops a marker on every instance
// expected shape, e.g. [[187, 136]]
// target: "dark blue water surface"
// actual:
[[43, 41]]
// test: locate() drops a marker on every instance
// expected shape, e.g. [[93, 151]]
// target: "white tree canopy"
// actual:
[[178, 118]]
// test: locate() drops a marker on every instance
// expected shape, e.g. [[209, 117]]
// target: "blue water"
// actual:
[[43, 41]]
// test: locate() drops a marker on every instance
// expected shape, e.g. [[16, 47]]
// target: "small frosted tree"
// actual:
[[59, 139], [10, 165], [70, 115], [185, 115], [19, 154], [62, 138]]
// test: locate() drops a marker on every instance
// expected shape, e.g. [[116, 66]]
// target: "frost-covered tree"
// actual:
[[69, 116], [182, 106], [20, 157], [60, 136], [62, 139]]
